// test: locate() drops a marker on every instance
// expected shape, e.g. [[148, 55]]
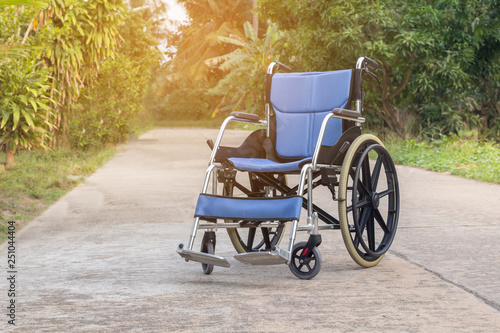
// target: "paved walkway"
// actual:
[[102, 259]]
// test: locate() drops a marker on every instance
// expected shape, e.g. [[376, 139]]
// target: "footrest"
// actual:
[[276, 257], [205, 258]]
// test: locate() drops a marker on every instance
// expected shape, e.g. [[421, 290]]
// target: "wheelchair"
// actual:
[[311, 132]]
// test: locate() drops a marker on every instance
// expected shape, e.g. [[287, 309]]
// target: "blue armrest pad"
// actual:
[[255, 209]]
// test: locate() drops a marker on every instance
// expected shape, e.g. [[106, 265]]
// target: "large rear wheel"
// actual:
[[368, 200]]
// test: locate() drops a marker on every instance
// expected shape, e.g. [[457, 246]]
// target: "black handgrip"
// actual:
[[372, 63], [283, 67]]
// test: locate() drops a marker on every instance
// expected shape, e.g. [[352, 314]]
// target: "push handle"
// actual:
[[275, 65], [372, 64], [365, 62], [282, 67]]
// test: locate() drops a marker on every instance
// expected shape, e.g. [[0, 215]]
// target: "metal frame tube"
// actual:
[[223, 129], [219, 138], [320, 139]]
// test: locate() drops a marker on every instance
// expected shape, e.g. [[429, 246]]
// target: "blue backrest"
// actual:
[[301, 101]]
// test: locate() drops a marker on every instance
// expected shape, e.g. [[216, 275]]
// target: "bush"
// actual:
[[106, 112], [184, 104], [112, 107]]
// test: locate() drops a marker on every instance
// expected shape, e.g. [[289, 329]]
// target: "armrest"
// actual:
[[348, 114], [235, 116], [246, 116]]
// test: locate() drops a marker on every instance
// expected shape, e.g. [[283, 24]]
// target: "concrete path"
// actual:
[[102, 259]]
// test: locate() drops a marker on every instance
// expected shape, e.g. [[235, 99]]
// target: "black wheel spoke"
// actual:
[[376, 172], [363, 220], [386, 192], [381, 221], [365, 168], [265, 235], [356, 241], [370, 229], [251, 237], [362, 189], [363, 203]]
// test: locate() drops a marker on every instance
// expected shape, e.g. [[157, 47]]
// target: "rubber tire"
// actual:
[[296, 270], [344, 223], [210, 249]]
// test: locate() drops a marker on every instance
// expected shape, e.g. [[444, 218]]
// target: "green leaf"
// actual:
[[23, 98], [15, 115], [28, 119], [33, 103], [5, 119], [232, 41]]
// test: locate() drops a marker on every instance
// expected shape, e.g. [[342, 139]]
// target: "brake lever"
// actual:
[[372, 74]]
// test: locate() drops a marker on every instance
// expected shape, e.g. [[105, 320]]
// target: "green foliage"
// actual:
[[459, 156], [108, 108], [242, 88], [77, 37], [24, 105], [440, 58], [198, 41], [108, 111], [22, 3]]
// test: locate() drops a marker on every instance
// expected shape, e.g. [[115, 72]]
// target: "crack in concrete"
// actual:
[[487, 301]]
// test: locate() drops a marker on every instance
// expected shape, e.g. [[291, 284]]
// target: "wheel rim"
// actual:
[[368, 215], [304, 268], [369, 203], [210, 249]]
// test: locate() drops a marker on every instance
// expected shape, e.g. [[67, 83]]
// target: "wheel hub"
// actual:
[[375, 200]]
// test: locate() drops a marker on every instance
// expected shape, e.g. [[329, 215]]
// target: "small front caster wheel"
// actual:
[[208, 247], [305, 265]]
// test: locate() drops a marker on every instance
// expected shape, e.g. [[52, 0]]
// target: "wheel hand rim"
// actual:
[[365, 184]]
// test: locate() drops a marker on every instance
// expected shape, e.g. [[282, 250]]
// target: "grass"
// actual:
[[468, 158], [39, 178]]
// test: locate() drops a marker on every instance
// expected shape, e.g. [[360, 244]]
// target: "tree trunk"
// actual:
[[9, 155], [255, 18]]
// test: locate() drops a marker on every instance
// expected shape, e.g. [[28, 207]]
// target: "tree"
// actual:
[[428, 51], [242, 89], [485, 69], [77, 37], [23, 86], [108, 110], [198, 41]]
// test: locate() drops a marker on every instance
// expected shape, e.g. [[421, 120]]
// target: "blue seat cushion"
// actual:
[[266, 165], [301, 101], [256, 209]]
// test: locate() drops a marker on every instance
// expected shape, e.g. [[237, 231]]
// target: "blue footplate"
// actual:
[[254, 209]]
